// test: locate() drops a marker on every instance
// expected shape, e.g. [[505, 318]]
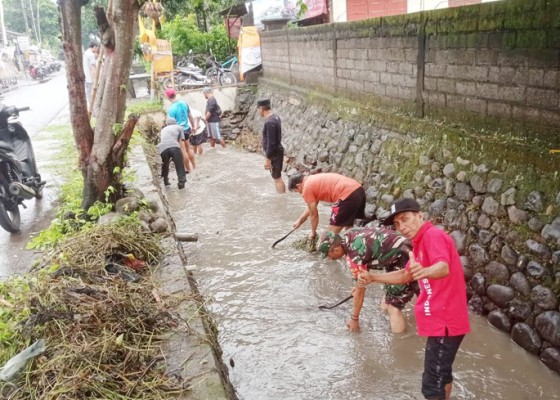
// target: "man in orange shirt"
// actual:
[[347, 196]]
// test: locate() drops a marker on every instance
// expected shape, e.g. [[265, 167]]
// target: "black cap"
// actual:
[[400, 206], [263, 103]]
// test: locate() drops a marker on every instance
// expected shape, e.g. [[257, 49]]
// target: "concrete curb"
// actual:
[[192, 351]]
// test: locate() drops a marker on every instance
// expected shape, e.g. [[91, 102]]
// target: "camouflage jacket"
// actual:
[[375, 248]]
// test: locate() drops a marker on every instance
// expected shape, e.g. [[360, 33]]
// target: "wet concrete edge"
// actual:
[[192, 351]]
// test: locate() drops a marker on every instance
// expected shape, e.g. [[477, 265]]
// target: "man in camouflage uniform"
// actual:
[[373, 248]]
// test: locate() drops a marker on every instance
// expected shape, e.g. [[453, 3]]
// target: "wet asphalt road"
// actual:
[[49, 105]]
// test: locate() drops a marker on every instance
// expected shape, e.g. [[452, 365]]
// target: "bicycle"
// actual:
[[217, 73], [231, 63]]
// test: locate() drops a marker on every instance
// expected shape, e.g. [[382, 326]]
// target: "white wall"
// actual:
[[225, 96], [339, 11], [425, 5]]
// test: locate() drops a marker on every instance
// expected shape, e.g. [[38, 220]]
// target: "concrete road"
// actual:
[[49, 104]]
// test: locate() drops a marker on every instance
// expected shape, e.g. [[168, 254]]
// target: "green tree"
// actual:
[[18, 17], [206, 11], [101, 148], [184, 35]]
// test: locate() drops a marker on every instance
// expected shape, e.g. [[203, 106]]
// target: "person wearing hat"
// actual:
[[212, 116], [373, 248], [272, 143], [180, 111], [441, 309], [347, 196], [171, 146]]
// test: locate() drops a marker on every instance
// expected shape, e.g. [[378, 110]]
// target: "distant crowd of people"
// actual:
[[416, 257]]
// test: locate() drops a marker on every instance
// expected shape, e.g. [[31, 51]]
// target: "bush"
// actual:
[[184, 35]]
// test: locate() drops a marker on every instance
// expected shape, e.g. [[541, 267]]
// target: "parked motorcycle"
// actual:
[[187, 76], [19, 178], [36, 72]]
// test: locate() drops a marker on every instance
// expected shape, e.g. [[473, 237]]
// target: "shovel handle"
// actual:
[[282, 238], [324, 307]]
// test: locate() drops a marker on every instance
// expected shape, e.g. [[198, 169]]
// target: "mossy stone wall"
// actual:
[[494, 61]]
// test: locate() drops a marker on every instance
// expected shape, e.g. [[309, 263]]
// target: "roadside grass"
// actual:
[[103, 332]]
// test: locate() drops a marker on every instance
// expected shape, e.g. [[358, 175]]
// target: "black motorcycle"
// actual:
[[19, 178]]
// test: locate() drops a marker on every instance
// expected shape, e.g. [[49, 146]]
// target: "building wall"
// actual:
[[459, 3], [363, 9], [500, 60], [425, 5], [339, 11]]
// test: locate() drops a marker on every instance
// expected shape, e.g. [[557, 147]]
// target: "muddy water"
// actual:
[[265, 304]]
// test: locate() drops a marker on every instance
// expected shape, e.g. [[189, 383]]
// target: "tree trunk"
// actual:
[[71, 26], [101, 151]]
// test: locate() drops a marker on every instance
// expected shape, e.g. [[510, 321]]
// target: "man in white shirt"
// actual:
[[89, 63]]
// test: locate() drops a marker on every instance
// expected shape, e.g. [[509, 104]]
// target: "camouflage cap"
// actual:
[[327, 241]]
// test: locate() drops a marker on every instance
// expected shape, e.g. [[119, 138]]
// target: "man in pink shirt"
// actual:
[[441, 309], [347, 196]]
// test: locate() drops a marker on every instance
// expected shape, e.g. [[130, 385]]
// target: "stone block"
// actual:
[[435, 99], [380, 90], [409, 81], [407, 93], [525, 113], [543, 58], [392, 91], [551, 79], [487, 90], [551, 118], [431, 84], [542, 97], [536, 77], [455, 72], [436, 70], [486, 57], [405, 68], [411, 55], [514, 94], [466, 88], [512, 58], [378, 66], [456, 102], [476, 105], [503, 75], [385, 78], [447, 86], [393, 67], [458, 57], [431, 55]]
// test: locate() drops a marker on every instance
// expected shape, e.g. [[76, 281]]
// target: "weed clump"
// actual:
[[102, 330]]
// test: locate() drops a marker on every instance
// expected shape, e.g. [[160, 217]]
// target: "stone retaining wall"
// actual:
[[497, 197]]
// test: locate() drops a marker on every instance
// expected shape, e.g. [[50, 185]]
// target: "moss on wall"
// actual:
[[523, 157], [511, 15]]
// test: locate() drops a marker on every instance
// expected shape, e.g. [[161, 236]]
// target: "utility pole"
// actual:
[[23, 10], [33, 21], [39, 23], [4, 36]]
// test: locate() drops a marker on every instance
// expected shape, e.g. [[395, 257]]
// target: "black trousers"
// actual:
[[173, 153]]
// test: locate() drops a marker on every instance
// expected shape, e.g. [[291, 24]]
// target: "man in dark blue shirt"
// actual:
[[272, 143]]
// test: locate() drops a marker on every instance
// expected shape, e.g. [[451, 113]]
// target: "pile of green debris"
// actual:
[[96, 306]]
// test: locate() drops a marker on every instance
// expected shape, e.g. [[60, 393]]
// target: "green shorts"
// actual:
[[399, 295]]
